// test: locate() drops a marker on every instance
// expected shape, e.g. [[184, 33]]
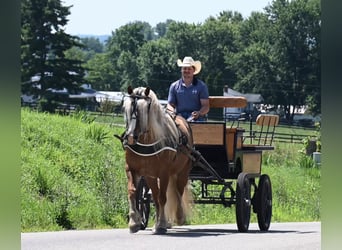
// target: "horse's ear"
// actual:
[[129, 90], [147, 91]]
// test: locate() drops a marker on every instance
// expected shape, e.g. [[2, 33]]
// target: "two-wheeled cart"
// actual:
[[227, 165]]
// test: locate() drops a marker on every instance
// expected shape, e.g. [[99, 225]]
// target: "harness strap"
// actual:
[[148, 149], [156, 147]]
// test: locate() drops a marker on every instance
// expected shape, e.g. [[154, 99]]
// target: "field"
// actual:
[[73, 177]]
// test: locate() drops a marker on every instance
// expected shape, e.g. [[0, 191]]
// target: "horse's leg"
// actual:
[[153, 185], [161, 223], [134, 223]]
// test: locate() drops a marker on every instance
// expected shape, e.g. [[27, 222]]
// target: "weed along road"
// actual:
[[303, 235]]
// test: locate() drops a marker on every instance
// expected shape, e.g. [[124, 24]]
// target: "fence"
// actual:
[[282, 137], [278, 137]]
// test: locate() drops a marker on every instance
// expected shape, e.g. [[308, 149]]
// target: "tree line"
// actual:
[[275, 53]]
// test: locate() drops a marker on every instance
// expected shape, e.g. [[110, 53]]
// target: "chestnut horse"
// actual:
[[158, 146]]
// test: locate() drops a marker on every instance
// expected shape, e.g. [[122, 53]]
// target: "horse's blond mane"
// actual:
[[157, 122]]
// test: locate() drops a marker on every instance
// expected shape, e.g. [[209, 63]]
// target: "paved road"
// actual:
[[303, 236]]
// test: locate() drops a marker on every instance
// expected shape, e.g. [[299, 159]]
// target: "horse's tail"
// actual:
[[174, 201], [187, 200]]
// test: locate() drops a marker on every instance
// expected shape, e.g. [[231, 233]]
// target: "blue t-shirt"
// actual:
[[187, 99]]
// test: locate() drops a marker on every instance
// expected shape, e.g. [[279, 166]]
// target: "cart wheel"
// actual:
[[143, 202], [243, 202], [264, 202]]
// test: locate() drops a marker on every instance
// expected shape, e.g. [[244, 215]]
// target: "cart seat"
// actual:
[[262, 137]]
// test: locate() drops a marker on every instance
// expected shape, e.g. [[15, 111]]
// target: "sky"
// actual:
[[101, 17]]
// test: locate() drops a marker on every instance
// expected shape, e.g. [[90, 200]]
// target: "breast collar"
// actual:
[[148, 149]]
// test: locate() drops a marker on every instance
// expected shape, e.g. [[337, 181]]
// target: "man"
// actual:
[[189, 96]]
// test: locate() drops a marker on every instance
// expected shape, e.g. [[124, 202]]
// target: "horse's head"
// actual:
[[136, 111]]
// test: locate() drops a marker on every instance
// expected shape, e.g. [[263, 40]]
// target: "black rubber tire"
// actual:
[[264, 202], [243, 202], [143, 202]]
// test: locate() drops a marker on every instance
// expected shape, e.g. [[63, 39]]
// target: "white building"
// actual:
[[234, 113]]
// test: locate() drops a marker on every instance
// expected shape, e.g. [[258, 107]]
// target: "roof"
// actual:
[[115, 96], [83, 95], [253, 98]]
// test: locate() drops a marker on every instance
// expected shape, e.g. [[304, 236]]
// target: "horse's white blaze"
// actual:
[[131, 127]]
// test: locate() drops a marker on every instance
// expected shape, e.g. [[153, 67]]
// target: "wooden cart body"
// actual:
[[231, 159], [229, 150]]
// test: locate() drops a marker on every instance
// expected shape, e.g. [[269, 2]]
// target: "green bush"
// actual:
[[83, 116], [97, 133], [108, 106], [47, 105]]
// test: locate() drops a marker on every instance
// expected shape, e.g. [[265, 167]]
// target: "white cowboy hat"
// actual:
[[189, 62]]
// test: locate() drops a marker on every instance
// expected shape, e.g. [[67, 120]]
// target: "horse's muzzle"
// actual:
[[131, 140]]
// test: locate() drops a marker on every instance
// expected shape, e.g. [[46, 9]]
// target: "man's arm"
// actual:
[[171, 107], [203, 111], [205, 107]]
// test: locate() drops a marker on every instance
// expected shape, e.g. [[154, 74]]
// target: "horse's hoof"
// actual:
[[135, 228], [159, 230]]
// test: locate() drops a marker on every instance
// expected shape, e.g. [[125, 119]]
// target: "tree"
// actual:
[[252, 62], [123, 50], [185, 39], [161, 28], [278, 55], [101, 75], [253, 70], [296, 52], [157, 66], [78, 54], [43, 47], [92, 44], [217, 37], [148, 31]]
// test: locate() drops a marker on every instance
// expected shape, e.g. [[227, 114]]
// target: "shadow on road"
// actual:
[[188, 232]]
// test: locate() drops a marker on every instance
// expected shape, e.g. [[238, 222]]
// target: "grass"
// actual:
[[73, 177], [72, 174]]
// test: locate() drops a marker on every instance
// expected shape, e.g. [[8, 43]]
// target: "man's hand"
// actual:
[[195, 115]]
